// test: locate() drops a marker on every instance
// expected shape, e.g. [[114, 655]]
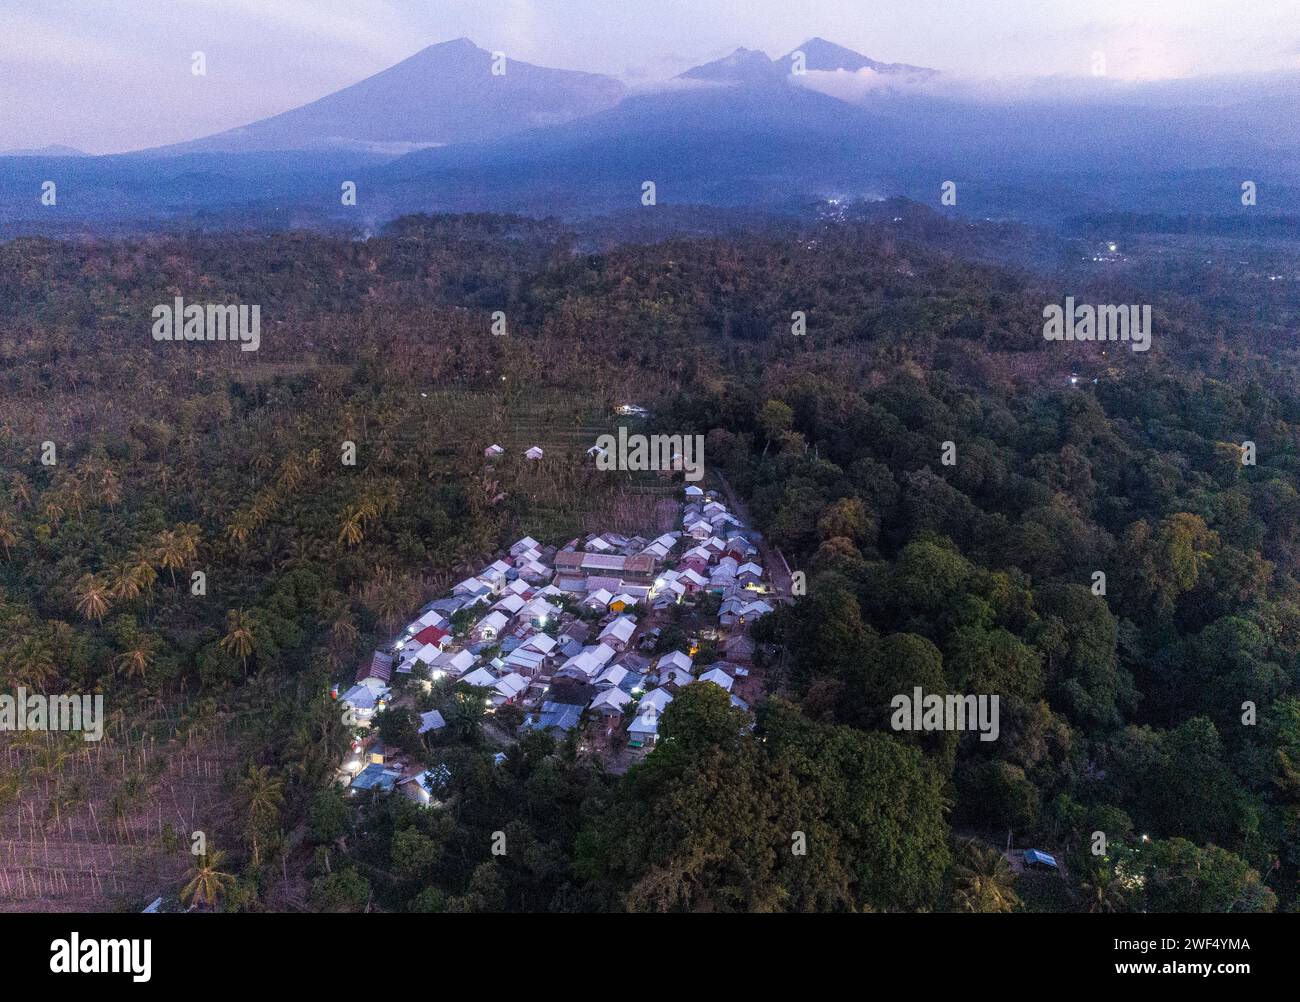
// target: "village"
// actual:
[[590, 641]]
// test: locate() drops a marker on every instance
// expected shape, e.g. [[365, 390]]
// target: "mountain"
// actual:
[[766, 140], [750, 66], [445, 93], [53, 150], [739, 132], [824, 56], [744, 66]]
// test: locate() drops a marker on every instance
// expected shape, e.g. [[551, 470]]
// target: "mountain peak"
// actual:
[[742, 66], [445, 93], [822, 55]]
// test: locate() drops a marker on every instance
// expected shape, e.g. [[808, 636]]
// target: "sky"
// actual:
[[114, 75]]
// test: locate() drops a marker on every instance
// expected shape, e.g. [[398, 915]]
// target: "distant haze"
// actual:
[[115, 75]]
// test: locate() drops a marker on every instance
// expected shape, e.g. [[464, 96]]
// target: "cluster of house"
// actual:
[[567, 634]]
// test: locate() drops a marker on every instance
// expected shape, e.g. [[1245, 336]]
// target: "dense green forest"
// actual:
[[1162, 713]]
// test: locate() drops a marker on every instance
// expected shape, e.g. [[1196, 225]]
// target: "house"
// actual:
[[508, 688], [693, 492], [643, 732], [635, 663], [576, 630], [610, 702], [602, 654], [622, 601], [563, 710], [375, 777], [540, 642], [431, 636], [656, 550], [511, 604], [454, 665], [727, 565], [526, 661], [602, 582], [533, 453], [718, 677], [430, 615], [678, 677], [425, 655], [731, 610], [365, 699], [491, 625], [754, 610], [560, 716], [618, 633], [657, 699], [431, 721], [480, 678], [493, 450], [539, 612], [691, 581], [1036, 859], [674, 659], [699, 566], [611, 676], [587, 664], [522, 545], [534, 571], [739, 648], [597, 451], [598, 599], [426, 786], [380, 666]]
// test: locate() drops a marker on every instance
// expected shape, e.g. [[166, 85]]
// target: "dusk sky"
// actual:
[[115, 75]]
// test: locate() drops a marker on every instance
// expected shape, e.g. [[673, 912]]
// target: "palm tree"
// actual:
[[1104, 893], [21, 489], [30, 664], [53, 512], [137, 659], [208, 883], [142, 566], [7, 537], [262, 797], [110, 492], [239, 639], [387, 595], [190, 538], [170, 553], [237, 531], [124, 582], [984, 880], [344, 628], [350, 531], [92, 598]]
